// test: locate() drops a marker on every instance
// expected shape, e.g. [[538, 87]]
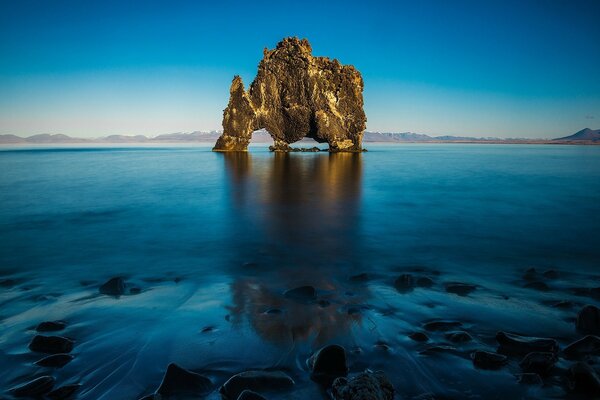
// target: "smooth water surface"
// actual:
[[214, 240]]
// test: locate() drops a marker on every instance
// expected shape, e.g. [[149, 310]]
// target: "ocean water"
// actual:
[[212, 241]]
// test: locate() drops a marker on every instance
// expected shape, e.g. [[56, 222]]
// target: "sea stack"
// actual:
[[296, 95]]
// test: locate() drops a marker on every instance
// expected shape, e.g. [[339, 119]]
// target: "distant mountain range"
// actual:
[[584, 136]]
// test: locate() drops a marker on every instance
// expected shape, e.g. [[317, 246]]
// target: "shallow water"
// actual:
[[213, 241]]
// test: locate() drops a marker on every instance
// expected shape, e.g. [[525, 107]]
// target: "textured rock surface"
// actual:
[[296, 95], [365, 386]]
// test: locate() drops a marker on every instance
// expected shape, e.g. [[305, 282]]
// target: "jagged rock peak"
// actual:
[[296, 95]]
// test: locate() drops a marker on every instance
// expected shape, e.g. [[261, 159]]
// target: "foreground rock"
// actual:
[[487, 360], [178, 381], [55, 361], [588, 320], [64, 392], [51, 326], [365, 386], [441, 325], [588, 346], [538, 362], [584, 379], [513, 344], [34, 388], [302, 294], [460, 289], [250, 395], [257, 381], [113, 287], [327, 364], [51, 344], [296, 95]]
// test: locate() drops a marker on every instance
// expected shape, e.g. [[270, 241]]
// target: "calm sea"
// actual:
[[213, 240]]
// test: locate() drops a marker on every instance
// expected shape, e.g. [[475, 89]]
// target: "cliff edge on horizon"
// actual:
[[296, 95]]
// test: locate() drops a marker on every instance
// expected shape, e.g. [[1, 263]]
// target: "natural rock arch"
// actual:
[[296, 95]]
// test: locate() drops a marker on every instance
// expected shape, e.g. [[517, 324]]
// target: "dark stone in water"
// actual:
[[588, 346], [51, 326], [424, 281], [487, 360], [587, 292], [433, 350], [34, 388], [327, 364], [51, 344], [178, 381], [64, 392], [441, 325], [257, 381], [537, 285], [460, 289], [207, 329], [419, 337], [563, 304], [550, 274], [538, 362], [588, 320], [250, 395], [530, 274], [529, 378], [459, 337], [584, 379], [364, 386], [135, 290], [273, 311], [513, 344], [113, 287], [55, 361], [363, 277], [404, 283], [324, 303], [301, 294]]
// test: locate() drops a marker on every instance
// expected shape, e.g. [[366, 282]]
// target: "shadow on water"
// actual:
[[296, 224]]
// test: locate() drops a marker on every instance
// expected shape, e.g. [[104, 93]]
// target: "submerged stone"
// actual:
[[588, 320], [584, 379], [538, 362], [113, 287], [55, 361], [513, 344], [459, 337], [34, 388], [328, 363], [587, 346], [419, 337], [257, 381], [529, 378], [51, 326], [537, 285], [250, 395], [460, 289], [364, 386], [301, 294], [487, 360], [64, 392], [178, 380], [441, 325], [51, 344]]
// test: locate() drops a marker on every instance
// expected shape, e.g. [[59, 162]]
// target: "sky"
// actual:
[[474, 68]]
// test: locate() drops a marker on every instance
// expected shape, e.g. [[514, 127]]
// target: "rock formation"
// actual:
[[293, 96]]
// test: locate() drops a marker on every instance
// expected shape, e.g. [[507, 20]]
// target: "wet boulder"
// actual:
[[250, 395], [419, 337], [113, 287], [328, 363], [302, 294], [529, 378], [538, 362], [441, 325], [588, 320], [34, 388], [460, 289], [458, 337], [51, 326], [488, 360], [257, 381], [404, 283], [584, 379], [64, 392], [51, 344], [55, 361], [180, 381], [513, 344], [588, 346], [364, 386]]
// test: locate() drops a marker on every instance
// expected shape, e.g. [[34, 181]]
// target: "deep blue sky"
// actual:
[[478, 68]]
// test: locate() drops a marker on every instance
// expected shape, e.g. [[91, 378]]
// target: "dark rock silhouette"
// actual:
[[296, 95]]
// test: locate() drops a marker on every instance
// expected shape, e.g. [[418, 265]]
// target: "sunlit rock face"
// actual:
[[293, 96]]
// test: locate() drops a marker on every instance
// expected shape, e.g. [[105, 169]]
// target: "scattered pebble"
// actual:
[[301, 294], [328, 363], [51, 326], [487, 360], [441, 325], [51, 344], [64, 392], [419, 337], [538, 362], [34, 388], [588, 320], [529, 378], [365, 386], [584, 379], [257, 381], [521, 345], [55, 361], [460, 289], [113, 287], [459, 337], [588, 346], [179, 381]]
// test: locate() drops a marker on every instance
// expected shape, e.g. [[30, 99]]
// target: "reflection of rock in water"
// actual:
[[296, 223]]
